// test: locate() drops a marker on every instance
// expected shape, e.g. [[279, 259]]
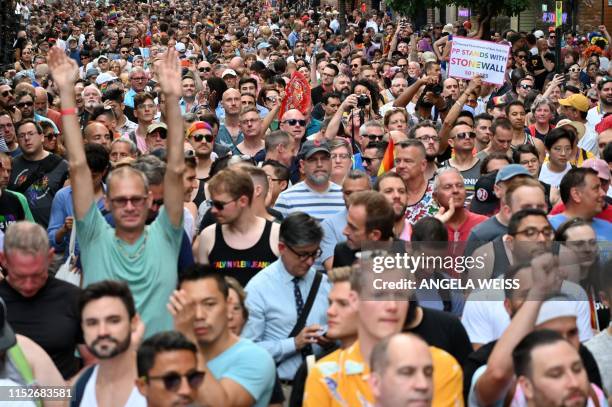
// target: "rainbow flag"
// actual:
[[388, 159], [210, 24]]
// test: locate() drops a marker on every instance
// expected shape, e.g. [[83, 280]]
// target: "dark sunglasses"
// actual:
[[375, 137], [158, 202], [293, 122], [368, 160], [162, 134], [204, 69], [526, 86], [218, 205], [6, 93], [172, 381], [521, 56], [51, 136], [24, 104], [199, 137], [466, 135]]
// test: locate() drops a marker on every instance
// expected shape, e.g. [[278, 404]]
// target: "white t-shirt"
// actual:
[[89, 395], [552, 178], [485, 318]]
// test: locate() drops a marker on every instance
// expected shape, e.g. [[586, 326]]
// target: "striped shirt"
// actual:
[[301, 198]]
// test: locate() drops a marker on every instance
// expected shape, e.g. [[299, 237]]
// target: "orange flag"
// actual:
[[388, 159]]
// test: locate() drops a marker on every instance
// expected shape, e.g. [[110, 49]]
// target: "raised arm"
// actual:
[[406, 96], [169, 74], [453, 113], [65, 73]]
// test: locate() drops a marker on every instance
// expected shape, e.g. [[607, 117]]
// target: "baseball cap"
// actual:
[[538, 34], [156, 126], [484, 201], [105, 77], [604, 125], [7, 335], [448, 28], [91, 72], [102, 57], [496, 101], [313, 146], [599, 165], [510, 171], [180, 47], [263, 45], [230, 72], [556, 307], [577, 101]]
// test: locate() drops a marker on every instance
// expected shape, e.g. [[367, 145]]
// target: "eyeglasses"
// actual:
[[466, 135], [199, 137], [368, 160], [305, 256], [293, 122], [247, 121], [146, 107], [533, 161], [435, 139], [524, 86], [532, 232], [204, 69], [139, 78], [218, 205], [172, 381], [29, 134], [136, 201], [375, 137], [50, 136], [25, 104], [342, 156], [6, 93], [355, 65]]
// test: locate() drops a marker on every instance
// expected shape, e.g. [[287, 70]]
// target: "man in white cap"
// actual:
[[495, 382]]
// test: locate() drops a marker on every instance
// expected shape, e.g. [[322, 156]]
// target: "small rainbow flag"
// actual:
[[388, 159], [210, 24]]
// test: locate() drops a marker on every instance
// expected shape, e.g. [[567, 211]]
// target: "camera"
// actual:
[[363, 101]]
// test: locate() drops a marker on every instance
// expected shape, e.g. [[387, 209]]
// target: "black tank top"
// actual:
[[200, 196], [242, 264]]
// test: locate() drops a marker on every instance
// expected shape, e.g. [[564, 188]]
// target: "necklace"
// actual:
[[138, 252]]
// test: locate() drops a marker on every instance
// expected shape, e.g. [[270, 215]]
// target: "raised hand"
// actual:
[[182, 309], [169, 74], [64, 70]]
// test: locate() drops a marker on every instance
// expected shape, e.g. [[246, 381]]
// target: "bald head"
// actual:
[[41, 102], [97, 133], [231, 102], [236, 63]]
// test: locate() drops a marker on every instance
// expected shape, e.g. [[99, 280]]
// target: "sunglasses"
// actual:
[[368, 160], [137, 201], [25, 104], [526, 86], [208, 137], [375, 137], [521, 56], [293, 122], [205, 69], [158, 202], [574, 70], [172, 381], [162, 134], [218, 205], [50, 136], [467, 135], [6, 93]]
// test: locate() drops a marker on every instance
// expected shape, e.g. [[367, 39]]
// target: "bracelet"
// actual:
[[69, 111]]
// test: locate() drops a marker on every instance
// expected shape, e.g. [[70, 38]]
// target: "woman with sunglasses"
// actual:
[[573, 77], [269, 97]]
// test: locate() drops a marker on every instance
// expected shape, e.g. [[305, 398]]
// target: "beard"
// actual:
[[89, 105], [430, 158], [120, 346], [318, 179]]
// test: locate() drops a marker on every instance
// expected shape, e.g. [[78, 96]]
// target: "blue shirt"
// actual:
[[248, 365], [61, 208], [332, 234], [272, 317], [128, 100], [602, 228], [225, 138]]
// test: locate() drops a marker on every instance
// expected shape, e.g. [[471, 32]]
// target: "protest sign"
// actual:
[[475, 57]]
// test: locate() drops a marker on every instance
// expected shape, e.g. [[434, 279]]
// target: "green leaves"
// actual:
[[478, 7]]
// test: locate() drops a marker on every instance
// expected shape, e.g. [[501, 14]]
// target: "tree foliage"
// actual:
[[482, 8]]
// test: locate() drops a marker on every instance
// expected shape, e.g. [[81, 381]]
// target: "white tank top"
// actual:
[[89, 395]]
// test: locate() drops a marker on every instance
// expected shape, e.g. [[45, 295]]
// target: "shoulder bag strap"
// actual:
[[301, 322]]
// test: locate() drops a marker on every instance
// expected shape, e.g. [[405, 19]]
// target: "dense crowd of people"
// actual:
[[193, 191]]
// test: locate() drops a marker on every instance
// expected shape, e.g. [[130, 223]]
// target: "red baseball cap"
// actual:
[[604, 125]]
